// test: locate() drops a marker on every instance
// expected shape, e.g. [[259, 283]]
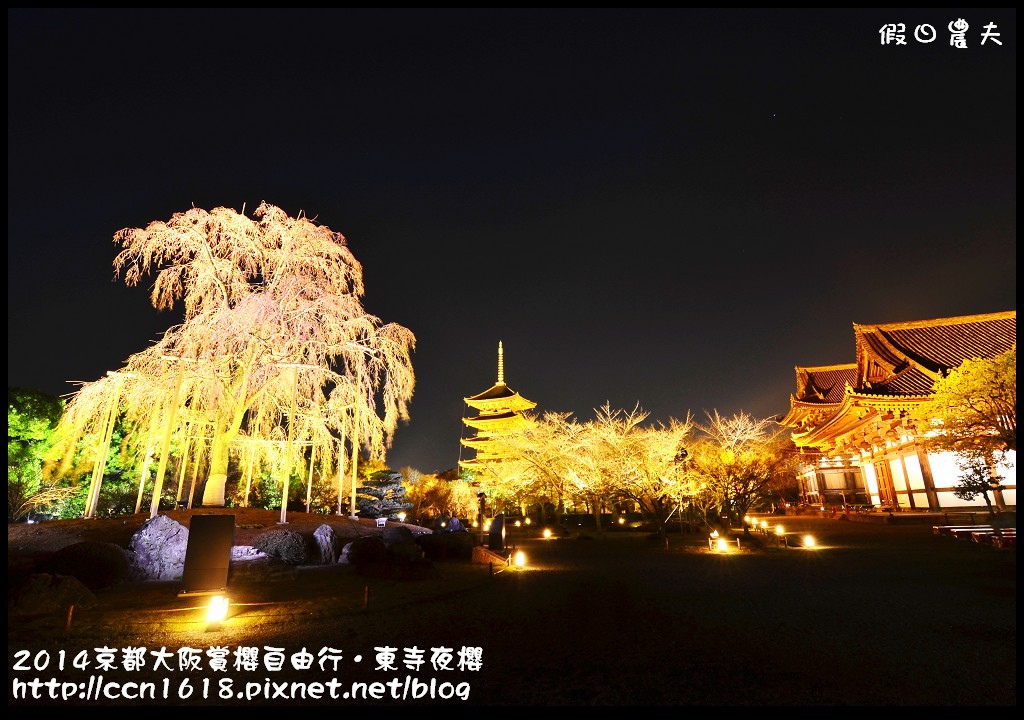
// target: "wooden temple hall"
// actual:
[[853, 422]]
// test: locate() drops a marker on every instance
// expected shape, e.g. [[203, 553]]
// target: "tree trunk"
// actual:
[[213, 493]]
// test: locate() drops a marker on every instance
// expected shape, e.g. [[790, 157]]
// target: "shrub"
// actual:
[[446, 546], [287, 546]]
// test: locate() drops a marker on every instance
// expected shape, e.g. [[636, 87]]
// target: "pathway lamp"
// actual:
[[217, 611]]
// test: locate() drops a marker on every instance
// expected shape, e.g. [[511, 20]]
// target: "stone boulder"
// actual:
[[245, 553], [366, 550], [45, 593], [397, 534], [97, 565], [401, 544], [157, 550], [401, 559], [328, 544]]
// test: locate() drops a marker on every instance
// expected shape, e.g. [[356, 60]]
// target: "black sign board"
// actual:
[[496, 537], [208, 554]]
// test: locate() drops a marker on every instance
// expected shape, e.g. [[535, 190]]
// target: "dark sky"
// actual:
[[670, 208]]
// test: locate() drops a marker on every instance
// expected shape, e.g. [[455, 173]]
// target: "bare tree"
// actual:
[[641, 461], [274, 335], [741, 459]]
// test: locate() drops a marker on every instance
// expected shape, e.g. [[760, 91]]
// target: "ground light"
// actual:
[[520, 559], [715, 542], [547, 532], [217, 611], [622, 520], [809, 541]]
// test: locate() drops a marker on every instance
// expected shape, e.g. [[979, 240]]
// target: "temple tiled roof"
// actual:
[[897, 365], [907, 358], [824, 384]]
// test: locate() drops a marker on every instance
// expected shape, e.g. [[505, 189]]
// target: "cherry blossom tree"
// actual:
[[973, 413], [536, 460], [642, 462], [741, 460], [275, 340], [973, 408]]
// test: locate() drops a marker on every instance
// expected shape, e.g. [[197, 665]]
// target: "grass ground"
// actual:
[[874, 615]]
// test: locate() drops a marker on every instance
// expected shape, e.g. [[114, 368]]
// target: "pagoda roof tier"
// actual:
[[481, 466], [486, 457], [495, 423], [499, 398], [479, 443]]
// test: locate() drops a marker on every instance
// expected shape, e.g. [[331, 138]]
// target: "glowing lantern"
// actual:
[[218, 609]]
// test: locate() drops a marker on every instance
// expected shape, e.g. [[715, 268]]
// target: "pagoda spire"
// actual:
[[501, 364]]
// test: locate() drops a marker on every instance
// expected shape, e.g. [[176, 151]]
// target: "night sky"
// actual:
[[670, 208]]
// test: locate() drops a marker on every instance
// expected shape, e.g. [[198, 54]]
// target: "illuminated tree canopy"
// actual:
[[31, 419], [741, 459], [974, 407], [640, 462], [274, 335]]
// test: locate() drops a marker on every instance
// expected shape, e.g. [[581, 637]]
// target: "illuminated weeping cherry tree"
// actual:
[[274, 336], [89, 419]]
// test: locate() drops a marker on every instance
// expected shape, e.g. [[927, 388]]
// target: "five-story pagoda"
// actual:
[[498, 410]]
